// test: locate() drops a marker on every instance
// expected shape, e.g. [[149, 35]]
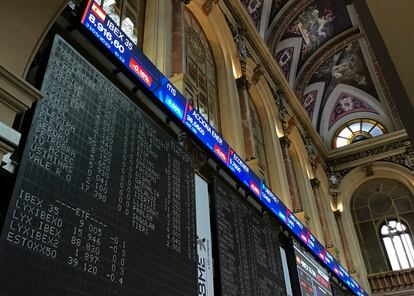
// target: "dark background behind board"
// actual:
[[338, 291], [104, 199], [248, 247]]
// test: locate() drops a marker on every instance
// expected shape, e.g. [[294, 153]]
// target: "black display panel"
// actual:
[[248, 247], [104, 200], [339, 291], [313, 278]]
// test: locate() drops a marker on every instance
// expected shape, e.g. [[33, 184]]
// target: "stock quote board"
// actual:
[[104, 29], [104, 200], [313, 278], [248, 250]]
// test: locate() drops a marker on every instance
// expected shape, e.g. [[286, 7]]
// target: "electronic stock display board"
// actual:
[[104, 201], [249, 260], [111, 36], [313, 278]]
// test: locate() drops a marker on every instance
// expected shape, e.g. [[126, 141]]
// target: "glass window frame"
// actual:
[[201, 79], [404, 257], [126, 7], [360, 132]]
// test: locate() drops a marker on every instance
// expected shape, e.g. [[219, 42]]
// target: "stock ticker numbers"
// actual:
[[102, 28], [104, 199], [248, 248]]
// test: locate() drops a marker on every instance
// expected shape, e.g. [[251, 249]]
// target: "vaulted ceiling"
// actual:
[[322, 49]]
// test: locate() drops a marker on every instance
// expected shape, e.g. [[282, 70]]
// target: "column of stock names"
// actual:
[[104, 199]]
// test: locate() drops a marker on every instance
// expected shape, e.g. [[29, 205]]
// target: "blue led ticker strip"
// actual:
[[117, 42]]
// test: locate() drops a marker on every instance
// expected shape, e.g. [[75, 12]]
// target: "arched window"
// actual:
[[398, 244], [201, 77], [128, 14], [356, 131], [258, 137], [383, 216]]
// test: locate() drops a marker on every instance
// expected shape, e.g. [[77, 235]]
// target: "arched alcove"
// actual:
[[304, 174], [373, 204], [224, 50], [353, 180]]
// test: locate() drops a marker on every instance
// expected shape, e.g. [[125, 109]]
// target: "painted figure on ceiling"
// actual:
[[346, 65], [313, 27]]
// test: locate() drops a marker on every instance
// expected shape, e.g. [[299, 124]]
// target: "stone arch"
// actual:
[[374, 203], [228, 68], [272, 129], [24, 25], [328, 132], [304, 174], [348, 186]]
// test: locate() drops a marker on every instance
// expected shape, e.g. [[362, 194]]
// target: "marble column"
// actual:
[[244, 97], [178, 49], [291, 175], [347, 252], [321, 212]]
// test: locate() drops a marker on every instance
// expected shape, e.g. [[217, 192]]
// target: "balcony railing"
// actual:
[[391, 281]]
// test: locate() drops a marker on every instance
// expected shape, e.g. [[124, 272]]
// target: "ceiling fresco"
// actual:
[[254, 9], [285, 60], [347, 69], [348, 104], [340, 86], [277, 5], [317, 24], [347, 66]]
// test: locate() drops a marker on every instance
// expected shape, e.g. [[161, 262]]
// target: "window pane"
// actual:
[[408, 248], [112, 8], [400, 227], [129, 28], [384, 230], [376, 131], [355, 127], [366, 126], [402, 257], [391, 253], [201, 70], [340, 142], [346, 133]]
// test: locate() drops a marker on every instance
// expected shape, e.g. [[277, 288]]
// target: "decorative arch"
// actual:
[[376, 112], [201, 71], [383, 208], [272, 130], [228, 68], [287, 56], [304, 174], [25, 26], [349, 184]]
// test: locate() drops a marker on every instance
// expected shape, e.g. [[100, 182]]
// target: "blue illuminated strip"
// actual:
[[113, 38]]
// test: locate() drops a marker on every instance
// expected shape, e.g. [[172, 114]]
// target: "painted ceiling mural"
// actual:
[[277, 5], [347, 66], [341, 86], [254, 9], [348, 104], [284, 57], [317, 24]]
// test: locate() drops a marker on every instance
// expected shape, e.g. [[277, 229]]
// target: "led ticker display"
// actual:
[[244, 173], [116, 41], [206, 133]]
